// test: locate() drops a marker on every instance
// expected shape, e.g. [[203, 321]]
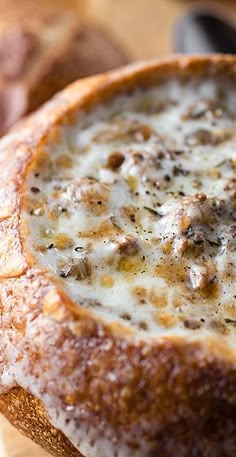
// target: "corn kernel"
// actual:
[[107, 281], [63, 241], [64, 161], [214, 173], [132, 182]]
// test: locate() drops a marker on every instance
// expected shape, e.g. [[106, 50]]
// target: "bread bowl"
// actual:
[[118, 264], [44, 48]]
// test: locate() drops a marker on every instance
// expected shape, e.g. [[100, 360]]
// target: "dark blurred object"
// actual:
[[202, 31], [42, 52]]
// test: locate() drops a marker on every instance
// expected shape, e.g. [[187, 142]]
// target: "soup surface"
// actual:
[[135, 208]]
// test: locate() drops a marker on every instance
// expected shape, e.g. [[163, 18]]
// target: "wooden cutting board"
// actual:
[[144, 28], [13, 444]]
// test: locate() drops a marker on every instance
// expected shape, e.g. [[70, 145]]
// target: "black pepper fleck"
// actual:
[[35, 190]]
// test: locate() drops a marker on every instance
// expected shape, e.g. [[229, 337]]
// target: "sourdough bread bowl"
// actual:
[[117, 264]]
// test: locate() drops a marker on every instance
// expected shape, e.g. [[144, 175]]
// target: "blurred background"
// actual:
[[145, 27], [30, 73], [47, 44]]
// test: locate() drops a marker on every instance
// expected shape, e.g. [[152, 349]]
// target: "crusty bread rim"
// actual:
[[25, 285]]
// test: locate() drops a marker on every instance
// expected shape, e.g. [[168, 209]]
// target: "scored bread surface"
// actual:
[[118, 278]]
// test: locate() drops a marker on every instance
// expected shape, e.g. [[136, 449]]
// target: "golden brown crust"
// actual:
[[47, 49], [27, 414], [122, 389]]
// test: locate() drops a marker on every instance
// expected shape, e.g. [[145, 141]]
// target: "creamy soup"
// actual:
[[135, 209]]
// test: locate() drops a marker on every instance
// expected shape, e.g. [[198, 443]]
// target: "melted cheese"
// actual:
[[135, 209]]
